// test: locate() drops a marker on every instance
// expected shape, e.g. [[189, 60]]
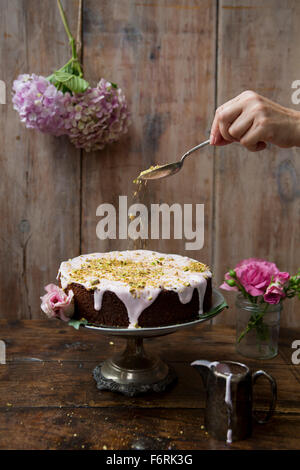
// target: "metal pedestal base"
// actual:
[[134, 372]]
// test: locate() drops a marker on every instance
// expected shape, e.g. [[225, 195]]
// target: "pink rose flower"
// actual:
[[274, 294], [282, 278], [255, 275], [225, 286], [57, 304]]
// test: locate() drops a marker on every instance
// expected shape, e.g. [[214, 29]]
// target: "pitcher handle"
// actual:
[[273, 384]]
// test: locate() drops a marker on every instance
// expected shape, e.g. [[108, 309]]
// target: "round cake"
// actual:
[[137, 288]]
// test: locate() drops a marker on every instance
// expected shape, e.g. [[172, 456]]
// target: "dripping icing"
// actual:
[[228, 402], [136, 305]]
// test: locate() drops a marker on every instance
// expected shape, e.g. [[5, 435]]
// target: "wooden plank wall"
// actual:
[[40, 175], [152, 50], [175, 60], [257, 197]]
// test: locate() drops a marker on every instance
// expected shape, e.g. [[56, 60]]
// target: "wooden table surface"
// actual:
[[49, 400]]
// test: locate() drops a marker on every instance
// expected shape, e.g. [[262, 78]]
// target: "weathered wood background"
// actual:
[[176, 60]]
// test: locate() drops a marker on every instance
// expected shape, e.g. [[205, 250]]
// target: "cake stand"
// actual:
[[134, 371]]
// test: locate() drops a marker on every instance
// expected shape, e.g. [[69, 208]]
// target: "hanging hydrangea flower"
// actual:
[[97, 117], [92, 119], [40, 105], [65, 104]]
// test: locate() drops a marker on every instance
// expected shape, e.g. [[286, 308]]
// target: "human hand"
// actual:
[[253, 120]]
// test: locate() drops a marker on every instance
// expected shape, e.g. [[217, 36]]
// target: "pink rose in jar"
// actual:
[[274, 294], [226, 286], [282, 278], [255, 275], [57, 304]]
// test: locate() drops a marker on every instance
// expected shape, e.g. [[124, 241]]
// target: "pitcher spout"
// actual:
[[204, 369]]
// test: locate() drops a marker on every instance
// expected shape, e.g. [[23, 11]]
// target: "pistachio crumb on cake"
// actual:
[[137, 279]]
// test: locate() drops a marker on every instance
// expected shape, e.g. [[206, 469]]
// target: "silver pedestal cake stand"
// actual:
[[133, 371]]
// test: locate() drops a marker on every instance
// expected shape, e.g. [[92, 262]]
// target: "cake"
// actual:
[[137, 288]]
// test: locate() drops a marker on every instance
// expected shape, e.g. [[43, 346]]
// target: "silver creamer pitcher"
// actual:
[[229, 402]]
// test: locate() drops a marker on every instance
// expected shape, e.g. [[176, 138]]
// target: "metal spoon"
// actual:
[[170, 168]]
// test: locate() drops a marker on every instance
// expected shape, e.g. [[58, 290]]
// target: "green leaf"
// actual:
[[68, 81], [68, 68], [52, 79], [114, 85], [77, 323], [214, 311], [71, 81], [77, 84], [59, 85], [62, 75]]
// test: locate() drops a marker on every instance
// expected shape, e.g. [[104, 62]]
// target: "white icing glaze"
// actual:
[[228, 391], [173, 278], [204, 362], [228, 402], [229, 436], [225, 370]]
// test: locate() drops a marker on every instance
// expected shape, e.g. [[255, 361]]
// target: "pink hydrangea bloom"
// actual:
[[91, 119], [57, 304], [40, 105], [97, 117]]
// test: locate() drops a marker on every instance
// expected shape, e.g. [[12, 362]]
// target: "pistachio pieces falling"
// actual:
[[169, 169]]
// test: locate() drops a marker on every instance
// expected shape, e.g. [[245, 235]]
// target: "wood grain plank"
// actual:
[[53, 341], [163, 56], [51, 366], [64, 384], [127, 429], [257, 195], [54, 404], [39, 174]]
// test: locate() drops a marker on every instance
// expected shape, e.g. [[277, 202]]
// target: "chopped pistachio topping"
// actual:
[[138, 273], [145, 172]]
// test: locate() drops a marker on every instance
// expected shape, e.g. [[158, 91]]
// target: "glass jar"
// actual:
[[261, 342]]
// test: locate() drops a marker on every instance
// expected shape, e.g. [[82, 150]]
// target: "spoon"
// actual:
[[169, 169]]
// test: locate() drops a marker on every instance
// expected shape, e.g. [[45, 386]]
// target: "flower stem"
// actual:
[[71, 39], [253, 322], [64, 20]]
